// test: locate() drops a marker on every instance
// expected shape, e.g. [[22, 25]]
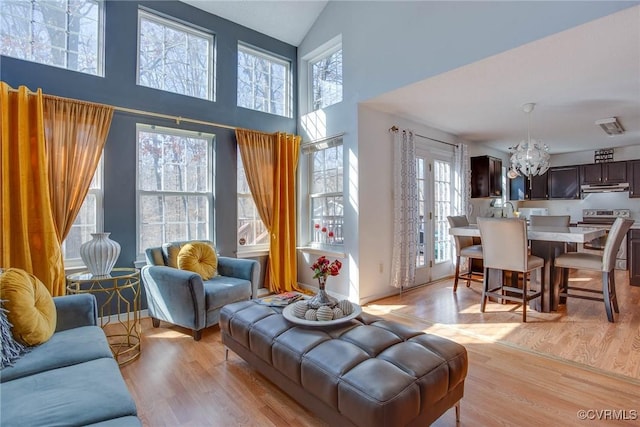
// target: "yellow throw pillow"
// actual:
[[200, 258], [31, 309]]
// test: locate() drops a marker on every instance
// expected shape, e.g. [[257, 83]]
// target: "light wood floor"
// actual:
[[511, 382]]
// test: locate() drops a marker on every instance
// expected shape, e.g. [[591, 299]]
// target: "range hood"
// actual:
[[604, 188]]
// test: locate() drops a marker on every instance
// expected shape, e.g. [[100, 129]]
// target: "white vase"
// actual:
[[100, 254]]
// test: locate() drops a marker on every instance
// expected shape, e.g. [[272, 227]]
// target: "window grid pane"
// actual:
[[326, 80], [64, 33], [174, 186], [326, 195], [174, 57], [263, 82], [251, 230]]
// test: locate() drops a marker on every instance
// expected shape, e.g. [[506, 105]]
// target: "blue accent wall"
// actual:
[[118, 87]]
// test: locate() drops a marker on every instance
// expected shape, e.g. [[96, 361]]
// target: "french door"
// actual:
[[435, 203]]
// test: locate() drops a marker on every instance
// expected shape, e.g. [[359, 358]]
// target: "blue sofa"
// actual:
[[72, 379], [182, 298]]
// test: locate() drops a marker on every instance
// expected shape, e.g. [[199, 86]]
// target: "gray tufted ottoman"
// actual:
[[366, 372]]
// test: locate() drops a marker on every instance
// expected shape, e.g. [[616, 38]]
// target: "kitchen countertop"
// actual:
[[549, 234]]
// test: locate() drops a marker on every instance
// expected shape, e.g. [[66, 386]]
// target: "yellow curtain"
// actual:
[[270, 162], [75, 132], [29, 240], [283, 259]]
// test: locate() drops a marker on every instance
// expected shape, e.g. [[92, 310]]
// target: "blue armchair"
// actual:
[[182, 298]]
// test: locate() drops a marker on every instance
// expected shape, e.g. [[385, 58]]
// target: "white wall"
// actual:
[[376, 196], [387, 45]]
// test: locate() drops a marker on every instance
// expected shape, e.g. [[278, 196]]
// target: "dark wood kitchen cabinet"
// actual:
[[564, 182], [633, 257], [519, 188], [486, 176], [633, 172], [603, 173]]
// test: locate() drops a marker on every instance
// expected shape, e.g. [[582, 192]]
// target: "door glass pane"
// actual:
[[443, 208], [421, 259]]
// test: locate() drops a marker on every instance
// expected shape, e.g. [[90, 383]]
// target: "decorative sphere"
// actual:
[[337, 313], [324, 313], [346, 307], [299, 309], [310, 314]]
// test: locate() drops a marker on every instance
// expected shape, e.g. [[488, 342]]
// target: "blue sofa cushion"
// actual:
[[65, 348], [222, 290], [82, 394], [119, 422]]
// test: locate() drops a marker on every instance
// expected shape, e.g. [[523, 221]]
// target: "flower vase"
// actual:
[[100, 254], [322, 297]]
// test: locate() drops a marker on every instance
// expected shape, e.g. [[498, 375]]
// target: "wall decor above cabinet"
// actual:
[[486, 176]]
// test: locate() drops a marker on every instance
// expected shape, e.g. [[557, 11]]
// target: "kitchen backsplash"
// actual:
[[482, 208]]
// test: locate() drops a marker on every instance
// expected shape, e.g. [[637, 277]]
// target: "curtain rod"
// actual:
[[326, 138], [177, 119], [395, 128]]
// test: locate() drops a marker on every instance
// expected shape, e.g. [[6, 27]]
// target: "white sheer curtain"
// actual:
[[462, 181], [405, 210]]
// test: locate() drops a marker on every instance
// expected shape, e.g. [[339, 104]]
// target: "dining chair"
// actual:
[[604, 263], [553, 221], [464, 248], [505, 247], [549, 220]]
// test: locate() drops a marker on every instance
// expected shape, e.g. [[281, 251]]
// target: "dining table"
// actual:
[[546, 243]]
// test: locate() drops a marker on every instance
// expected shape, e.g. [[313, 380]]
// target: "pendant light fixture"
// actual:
[[530, 157]]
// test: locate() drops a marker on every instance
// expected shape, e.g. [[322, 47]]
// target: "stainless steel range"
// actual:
[[604, 218]]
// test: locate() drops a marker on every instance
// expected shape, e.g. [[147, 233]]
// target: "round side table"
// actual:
[[118, 295]]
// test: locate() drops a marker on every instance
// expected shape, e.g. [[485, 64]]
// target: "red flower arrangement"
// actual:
[[323, 268]]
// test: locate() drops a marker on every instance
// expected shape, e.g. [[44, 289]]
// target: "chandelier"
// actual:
[[530, 157]]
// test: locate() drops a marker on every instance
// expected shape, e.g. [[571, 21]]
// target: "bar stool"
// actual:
[[464, 248], [505, 247], [605, 263]]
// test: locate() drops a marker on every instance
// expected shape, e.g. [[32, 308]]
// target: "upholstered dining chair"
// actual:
[[552, 221], [464, 248], [505, 247], [604, 263], [549, 220]]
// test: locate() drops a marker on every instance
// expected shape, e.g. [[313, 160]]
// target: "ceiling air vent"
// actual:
[[611, 126]]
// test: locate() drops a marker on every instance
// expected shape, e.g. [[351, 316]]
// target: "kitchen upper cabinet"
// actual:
[[519, 188], [633, 171], [603, 173], [564, 182], [486, 176], [539, 187]]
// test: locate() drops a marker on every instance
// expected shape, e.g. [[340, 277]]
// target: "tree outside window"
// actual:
[[62, 33], [326, 197], [252, 233], [326, 79], [175, 185], [174, 57], [264, 82]]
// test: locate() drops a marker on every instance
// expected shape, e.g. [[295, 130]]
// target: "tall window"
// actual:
[[325, 72], [174, 57], [252, 233], [89, 220], [175, 186], [326, 197], [264, 82], [62, 33]]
